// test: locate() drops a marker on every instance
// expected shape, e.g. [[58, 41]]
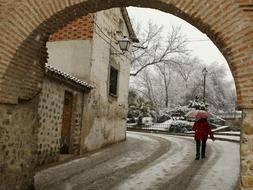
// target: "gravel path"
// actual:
[[148, 161]]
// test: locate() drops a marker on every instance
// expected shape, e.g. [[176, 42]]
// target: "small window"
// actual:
[[113, 81]]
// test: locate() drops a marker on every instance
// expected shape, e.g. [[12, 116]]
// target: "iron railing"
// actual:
[[153, 126]]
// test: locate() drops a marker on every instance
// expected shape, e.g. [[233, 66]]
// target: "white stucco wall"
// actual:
[[108, 118], [71, 56]]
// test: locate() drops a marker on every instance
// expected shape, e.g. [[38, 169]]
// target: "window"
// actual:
[[113, 81]]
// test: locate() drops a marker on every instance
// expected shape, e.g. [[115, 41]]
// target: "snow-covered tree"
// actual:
[[220, 91], [167, 75], [154, 48], [140, 107]]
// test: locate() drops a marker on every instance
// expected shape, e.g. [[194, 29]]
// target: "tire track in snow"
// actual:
[[55, 177], [111, 178], [164, 168], [184, 179], [145, 161], [224, 173], [93, 172]]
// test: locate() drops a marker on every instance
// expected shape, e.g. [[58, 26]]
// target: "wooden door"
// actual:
[[66, 123]]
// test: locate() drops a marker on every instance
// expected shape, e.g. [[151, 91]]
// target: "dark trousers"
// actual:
[[202, 144]]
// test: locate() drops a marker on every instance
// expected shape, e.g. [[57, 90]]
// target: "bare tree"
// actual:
[[220, 90], [165, 75], [146, 87], [157, 49], [185, 66]]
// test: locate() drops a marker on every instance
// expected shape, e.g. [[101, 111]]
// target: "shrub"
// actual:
[[179, 126]]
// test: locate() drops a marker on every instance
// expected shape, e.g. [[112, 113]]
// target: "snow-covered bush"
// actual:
[[139, 108], [163, 116], [198, 104], [178, 112], [216, 121], [147, 120], [179, 126]]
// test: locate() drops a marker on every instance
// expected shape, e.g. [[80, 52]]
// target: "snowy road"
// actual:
[[148, 161]]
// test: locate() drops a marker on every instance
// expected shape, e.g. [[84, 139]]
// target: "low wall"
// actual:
[[18, 128], [233, 123]]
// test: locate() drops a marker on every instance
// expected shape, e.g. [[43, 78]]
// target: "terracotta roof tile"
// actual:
[[67, 76]]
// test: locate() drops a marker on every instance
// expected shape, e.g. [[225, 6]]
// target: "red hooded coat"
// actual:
[[202, 130]]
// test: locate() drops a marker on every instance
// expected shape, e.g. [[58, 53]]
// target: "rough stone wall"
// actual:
[[18, 129], [234, 123], [50, 120], [77, 123], [247, 150]]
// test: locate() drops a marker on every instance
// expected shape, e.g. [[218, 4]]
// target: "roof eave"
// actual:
[[132, 34]]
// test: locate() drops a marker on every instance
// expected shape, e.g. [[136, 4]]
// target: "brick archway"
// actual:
[[27, 24]]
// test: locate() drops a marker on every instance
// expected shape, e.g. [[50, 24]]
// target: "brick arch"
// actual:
[[26, 25]]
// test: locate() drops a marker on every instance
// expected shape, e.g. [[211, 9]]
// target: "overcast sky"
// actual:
[[200, 45]]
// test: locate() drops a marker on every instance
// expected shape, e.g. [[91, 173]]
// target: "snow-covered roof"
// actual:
[[67, 76]]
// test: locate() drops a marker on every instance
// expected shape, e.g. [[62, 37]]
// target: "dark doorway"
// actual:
[[66, 123]]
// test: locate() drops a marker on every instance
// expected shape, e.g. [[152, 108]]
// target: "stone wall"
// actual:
[[234, 123], [50, 120], [18, 129], [77, 123], [247, 150]]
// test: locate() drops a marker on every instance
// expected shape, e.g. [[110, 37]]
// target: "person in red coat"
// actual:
[[202, 130]]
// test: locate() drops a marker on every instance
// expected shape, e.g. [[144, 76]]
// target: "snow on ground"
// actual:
[[223, 175], [220, 171], [164, 168], [236, 133], [169, 121], [235, 138], [148, 161], [59, 174], [220, 128]]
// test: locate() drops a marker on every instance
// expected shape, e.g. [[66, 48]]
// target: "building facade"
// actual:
[[60, 115], [83, 103]]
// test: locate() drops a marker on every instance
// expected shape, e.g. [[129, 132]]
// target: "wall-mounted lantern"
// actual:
[[124, 45]]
